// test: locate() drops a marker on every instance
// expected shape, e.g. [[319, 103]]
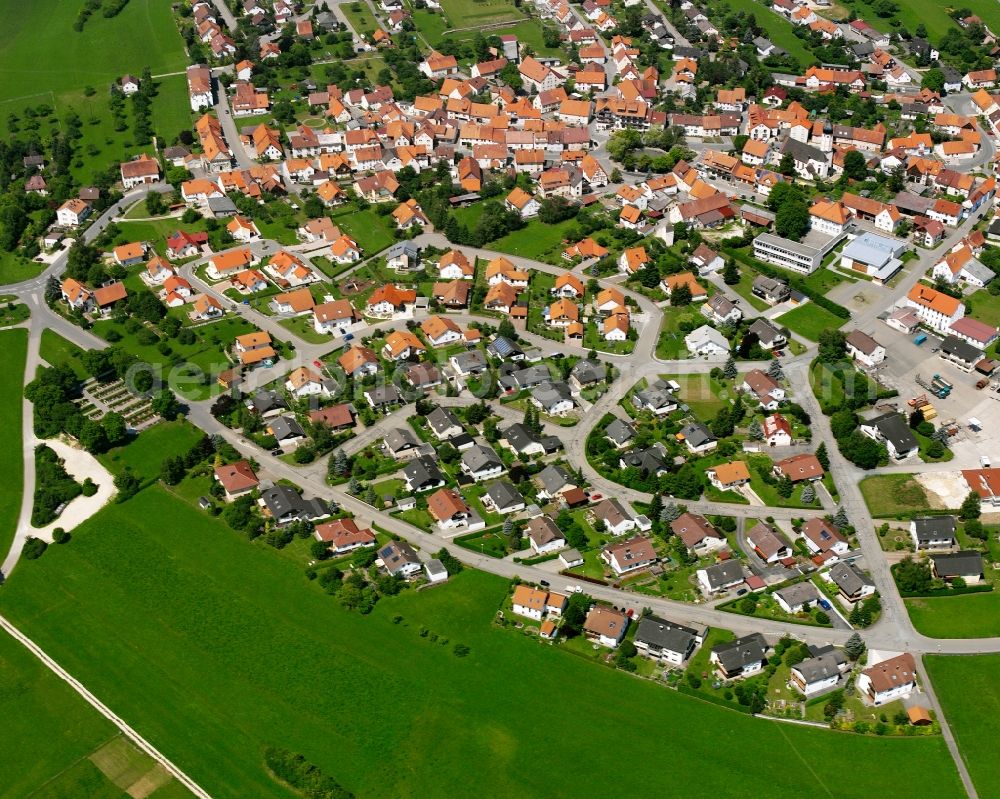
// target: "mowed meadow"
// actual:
[[215, 647], [44, 62]]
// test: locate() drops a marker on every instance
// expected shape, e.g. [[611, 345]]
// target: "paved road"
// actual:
[[105, 711]]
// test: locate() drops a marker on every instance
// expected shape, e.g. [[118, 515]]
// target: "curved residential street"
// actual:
[[893, 631]]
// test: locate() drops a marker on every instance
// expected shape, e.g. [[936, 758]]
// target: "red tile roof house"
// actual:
[[799, 467], [237, 479], [343, 535]]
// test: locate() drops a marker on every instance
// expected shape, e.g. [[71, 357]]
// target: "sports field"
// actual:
[[215, 647], [14, 345], [968, 688]]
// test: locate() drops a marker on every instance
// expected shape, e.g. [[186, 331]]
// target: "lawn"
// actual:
[[528, 33], [777, 29], [535, 240], [360, 16], [934, 16], [704, 395], [968, 688], [157, 620], [889, 495], [963, 616], [474, 13], [745, 288], [206, 353], [809, 321], [15, 344], [372, 232], [985, 307], [15, 268], [45, 62], [145, 453], [58, 351]]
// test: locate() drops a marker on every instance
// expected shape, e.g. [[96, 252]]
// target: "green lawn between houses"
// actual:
[[888, 495], [963, 616], [809, 320], [214, 647], [14, 344], [968, 688], [474, 13], [777, 29]]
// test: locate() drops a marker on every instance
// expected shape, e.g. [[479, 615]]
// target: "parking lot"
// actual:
[[905, 360]]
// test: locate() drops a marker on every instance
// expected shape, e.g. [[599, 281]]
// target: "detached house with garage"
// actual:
[[629, 556], [894, 678], [665, 641], [933, 532], [605, 625], [743, 657]]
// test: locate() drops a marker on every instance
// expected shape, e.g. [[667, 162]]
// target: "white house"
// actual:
[[864, 349], [707, 341], [891, 679]]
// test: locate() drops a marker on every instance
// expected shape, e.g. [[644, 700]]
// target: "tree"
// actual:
[[840, 518], [934, 80], [971, 507], [913, 576], [680, 295], [92, 436], [172, 470], [855, 166], [730, 272], [115, 428], [576, 613], [33, 548], [775, 371], [729, 370], [974, 529], [832, 345], [787, 164], [340, 463], [823, 456], [808, 493], [935, 449], [127, 484], [165, 404], [855, 647], [670, 512], [508, 526], [755, 432], [784, 487], [792, 218]]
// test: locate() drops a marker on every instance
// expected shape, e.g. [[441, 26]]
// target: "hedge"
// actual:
[[689, 691], [795, 282], [937, 592]]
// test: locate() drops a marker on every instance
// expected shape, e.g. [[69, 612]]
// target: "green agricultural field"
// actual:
[[145, 453], [969, 690], [964, 616], [809, 320], [14, 344], [75, 752], [58, 351], [46, 63], [214, 647], [43, 716], [777, 29], [889, 495]]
